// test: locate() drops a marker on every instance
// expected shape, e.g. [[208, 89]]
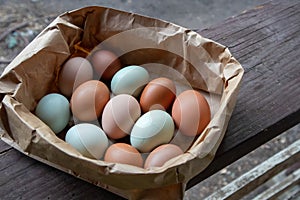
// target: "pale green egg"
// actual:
[[54, 110], [130, 80], [89, 139], [152, 129]]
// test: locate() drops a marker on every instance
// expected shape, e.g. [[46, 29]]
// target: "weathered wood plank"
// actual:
[[253, 17], [24, 177], [280, 187], [260, 174], [267, 44], [4, 147]]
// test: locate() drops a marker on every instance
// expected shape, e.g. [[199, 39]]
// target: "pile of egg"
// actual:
[[125, 103]]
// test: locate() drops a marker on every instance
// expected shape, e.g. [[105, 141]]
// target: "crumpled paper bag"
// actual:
[[164, 49]]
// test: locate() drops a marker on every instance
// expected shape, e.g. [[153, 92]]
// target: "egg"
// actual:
[[105, 63], [125, 154], [130, 80], [158, 94], [152, 129], [162, 154], [191, 112], [54, 110], [89, 99], [75, 71], [87, 139], [119, 115]]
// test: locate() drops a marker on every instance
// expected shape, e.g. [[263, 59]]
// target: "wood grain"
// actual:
[[4, 147], [23, 177], [266, 42], [281, 187], [260, 174]]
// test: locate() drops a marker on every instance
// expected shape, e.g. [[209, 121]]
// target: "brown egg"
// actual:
[[89, 99], [119, 115], [191, 112], [162, 154], [105, 63], [123, 153], [75, 71], [158, 94]]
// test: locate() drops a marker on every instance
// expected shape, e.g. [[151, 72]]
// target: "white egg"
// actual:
[[152, 129], [88, 139]]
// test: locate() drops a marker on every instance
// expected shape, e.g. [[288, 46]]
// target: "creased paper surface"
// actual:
[[164, 49]]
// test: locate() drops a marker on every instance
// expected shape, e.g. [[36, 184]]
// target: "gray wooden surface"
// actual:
[[248, 182], [266, 41]]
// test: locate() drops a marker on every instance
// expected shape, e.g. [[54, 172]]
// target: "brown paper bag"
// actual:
[[164, 49]]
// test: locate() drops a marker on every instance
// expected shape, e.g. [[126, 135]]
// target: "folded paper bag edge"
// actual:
[[190, 162]]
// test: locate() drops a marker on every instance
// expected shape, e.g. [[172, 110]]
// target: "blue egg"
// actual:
[[54, 110], [130, 80]]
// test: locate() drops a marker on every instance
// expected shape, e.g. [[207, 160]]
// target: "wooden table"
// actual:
[[266, 41]]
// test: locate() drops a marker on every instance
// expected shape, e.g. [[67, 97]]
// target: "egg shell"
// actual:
[[130, 80], [105, 63], [191, 112], [152, 129], [89, 99], [158, 94], [54, 110], [119, 116], [162, 154], [75, 71], [123, 153], [88, 139]]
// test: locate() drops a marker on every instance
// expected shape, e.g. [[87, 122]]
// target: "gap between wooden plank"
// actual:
[[280, 187], [4, 147], [4, 151], [258, 175]]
